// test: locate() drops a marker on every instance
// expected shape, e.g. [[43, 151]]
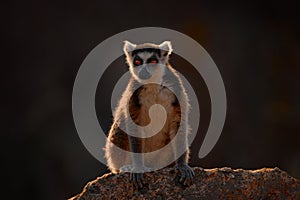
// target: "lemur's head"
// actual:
[[147, 61]]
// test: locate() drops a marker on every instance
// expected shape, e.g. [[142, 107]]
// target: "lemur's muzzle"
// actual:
[[144, 74]]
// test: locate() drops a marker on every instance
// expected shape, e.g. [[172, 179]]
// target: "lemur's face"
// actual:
[[147, 62]]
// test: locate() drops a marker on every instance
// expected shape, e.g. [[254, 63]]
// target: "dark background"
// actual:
[[256, 47]]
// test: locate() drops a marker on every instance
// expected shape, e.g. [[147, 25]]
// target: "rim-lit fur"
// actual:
[[140, 100]]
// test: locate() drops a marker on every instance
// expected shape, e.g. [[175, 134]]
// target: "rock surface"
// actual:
[[218, 183]]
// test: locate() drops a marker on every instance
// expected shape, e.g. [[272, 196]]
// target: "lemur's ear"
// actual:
[[166, 46], [128, 47]]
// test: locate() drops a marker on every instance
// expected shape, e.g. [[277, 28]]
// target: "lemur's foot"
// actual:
[[137, 179], [186, 172], [136, 174]]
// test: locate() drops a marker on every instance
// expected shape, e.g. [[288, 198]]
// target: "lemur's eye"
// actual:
[[152, 61], [137, 62]]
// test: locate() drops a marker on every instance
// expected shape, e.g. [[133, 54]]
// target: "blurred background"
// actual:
[[256, 47]]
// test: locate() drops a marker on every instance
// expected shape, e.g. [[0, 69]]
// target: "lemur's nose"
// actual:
[[144, 74]]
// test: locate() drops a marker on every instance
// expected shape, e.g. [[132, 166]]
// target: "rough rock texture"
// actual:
[[219, 183]]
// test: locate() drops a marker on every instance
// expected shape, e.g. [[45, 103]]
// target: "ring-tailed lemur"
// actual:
[[152, 76]]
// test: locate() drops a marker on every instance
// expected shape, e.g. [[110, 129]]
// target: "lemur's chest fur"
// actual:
[[139, 106], [153, 93]]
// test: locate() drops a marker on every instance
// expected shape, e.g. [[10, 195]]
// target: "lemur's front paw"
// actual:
[[136, 174], [137, 179], [186, 172]]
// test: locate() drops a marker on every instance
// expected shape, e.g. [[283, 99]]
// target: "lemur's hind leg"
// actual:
[[116, 149], [181, 145]]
